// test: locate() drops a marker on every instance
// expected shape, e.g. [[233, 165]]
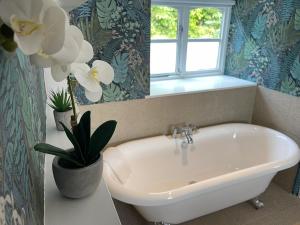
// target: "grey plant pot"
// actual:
[[64, 117], [77, 183]]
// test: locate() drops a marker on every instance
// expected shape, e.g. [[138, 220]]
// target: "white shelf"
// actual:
[[97, 209]]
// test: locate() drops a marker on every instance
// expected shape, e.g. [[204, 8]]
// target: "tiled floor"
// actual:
[[281, 208]]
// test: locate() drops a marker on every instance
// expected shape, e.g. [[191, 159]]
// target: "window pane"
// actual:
[[163, 58], [205, 23], [202, 56], [164, 22]]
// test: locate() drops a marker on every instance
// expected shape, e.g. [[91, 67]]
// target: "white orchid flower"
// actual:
[[90, 78], [75, 49], [38, 25]]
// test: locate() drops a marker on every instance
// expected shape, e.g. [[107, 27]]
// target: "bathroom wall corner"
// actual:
[[281, 112]]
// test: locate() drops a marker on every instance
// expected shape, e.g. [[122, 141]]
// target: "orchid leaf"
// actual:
[[52, 150], [2, 39], [74, 141], [10, 46], [7, 31], [82, 132], [100, 138], [87, 148]]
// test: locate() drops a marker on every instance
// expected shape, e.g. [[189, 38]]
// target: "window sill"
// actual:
[[162, 88]]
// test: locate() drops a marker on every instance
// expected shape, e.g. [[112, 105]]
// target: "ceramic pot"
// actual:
[[77, 183], [64, 117]]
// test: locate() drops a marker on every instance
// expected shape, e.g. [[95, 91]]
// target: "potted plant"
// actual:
[[62, 108], [77, 171]]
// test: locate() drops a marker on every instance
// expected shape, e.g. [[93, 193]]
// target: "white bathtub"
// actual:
[[226, 165]]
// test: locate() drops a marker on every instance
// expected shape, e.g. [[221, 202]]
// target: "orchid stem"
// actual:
[[74, 117]]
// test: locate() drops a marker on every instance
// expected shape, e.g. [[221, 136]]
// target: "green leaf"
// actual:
[[295, 70], [120, 65], [259, 26], [2, 39], [60, 101], [105, 8], [10, 45], [73, 140], [7, 31], [100, 138], [112, 93], [297, 19], [52, 150], [289, 86], [82, 132], [250, 49]]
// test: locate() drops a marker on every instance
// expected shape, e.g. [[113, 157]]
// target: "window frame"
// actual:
[[184, 7]]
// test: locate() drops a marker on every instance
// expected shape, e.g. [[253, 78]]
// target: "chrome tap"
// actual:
[[184, 131], [188, 133]]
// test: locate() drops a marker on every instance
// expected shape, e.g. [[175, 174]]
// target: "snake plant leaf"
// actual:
[[49, 149], [82, 132], [100, 138], [74, 141]]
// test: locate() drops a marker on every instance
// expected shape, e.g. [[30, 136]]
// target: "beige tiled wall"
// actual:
[[149, 117], [281, 112]]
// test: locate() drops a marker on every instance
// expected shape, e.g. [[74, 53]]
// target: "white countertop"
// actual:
[[159, 88], [97, 209]]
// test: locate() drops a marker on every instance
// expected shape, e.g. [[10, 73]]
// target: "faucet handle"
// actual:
[[175, 131], [192, 127]]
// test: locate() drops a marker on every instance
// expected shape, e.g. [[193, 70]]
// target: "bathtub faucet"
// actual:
[[184, 131], [188, 134]]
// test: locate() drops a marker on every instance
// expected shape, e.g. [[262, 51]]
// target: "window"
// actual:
[[188, 37]]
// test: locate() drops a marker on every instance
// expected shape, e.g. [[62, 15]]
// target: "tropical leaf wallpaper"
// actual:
[[264, 44], [22, 125], [119, 31]]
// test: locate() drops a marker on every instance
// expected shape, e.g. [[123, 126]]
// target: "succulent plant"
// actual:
[[87, 147], [60, 101]]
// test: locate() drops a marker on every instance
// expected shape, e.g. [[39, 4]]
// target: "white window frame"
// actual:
[[184, 7]]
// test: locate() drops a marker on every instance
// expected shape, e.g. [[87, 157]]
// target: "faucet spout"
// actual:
[[188, 135]]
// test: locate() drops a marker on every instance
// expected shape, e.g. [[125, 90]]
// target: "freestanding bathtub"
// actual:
[[226, 165]]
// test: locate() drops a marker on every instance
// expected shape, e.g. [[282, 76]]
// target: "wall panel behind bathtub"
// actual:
[[153, 116], [22, 125]]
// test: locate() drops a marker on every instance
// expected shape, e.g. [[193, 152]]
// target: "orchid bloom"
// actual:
[[90, 78], [75, 49], [38, 25]]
